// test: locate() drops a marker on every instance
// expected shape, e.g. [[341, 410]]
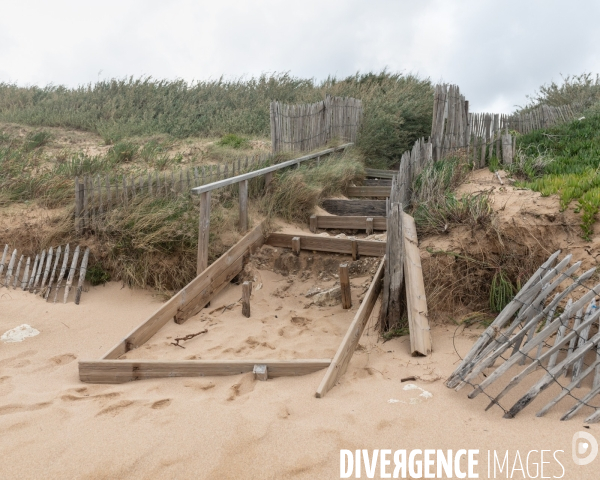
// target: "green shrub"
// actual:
[[234, 141], [96, 275], [122, 152]]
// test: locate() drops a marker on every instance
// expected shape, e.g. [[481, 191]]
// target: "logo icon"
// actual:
[[584, 448]]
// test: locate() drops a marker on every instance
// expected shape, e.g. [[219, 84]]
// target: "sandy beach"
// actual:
[[56, 427]]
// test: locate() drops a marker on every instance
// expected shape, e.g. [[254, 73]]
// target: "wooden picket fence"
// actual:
[[535, 333], [42, 279], [302, 128], [543, 116], [96, 195]]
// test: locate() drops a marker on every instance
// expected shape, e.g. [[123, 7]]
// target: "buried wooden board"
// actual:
[[420, 335], [121, 371], [368, 191], [350, 341], [194, 296], [350, 223], [327, 244], [367, 208]]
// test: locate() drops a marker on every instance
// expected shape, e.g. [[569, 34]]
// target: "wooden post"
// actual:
[[507, 153], [18, 272], [246, 292], [71, 274], [26, 274], [313, 223], [77, 206], [63, 269], [268, 179], [296, 245], [52, 275], [354, 250], [369, 226], [345, 286], [243, 192], [203, 231]]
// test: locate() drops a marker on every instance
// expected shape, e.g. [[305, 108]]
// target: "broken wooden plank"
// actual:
[[350, 341], [420, 334], [368, 208], [194, 296], [121, 371], [318, 243]]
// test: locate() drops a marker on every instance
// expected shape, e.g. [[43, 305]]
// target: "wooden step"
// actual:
[[366, 191], [366, 208]]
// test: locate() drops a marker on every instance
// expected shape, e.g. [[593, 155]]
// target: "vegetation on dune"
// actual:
[[565, 160], [397, 108]]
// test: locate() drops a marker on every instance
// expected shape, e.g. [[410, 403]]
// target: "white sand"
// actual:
[[53, 426]]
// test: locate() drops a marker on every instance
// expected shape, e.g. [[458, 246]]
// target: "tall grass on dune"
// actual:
[[397, 107]]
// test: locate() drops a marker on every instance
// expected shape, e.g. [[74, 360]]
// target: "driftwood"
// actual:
[[187, 337]]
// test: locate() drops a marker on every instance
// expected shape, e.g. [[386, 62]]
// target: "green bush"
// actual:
[[234, 141], [96, 275]]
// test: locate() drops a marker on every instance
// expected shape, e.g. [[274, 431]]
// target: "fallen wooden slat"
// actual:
[[192, 297], [373, 173], [82, 271], [61, 275], [368, 208], [121, 371], [420, 335], [349, 222], [366, 191], [318, 243], [350, 341]]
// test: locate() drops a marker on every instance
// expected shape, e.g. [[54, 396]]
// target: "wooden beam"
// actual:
[[365, 191], [420, 335], [266, 170], [121, 371], [374, 173], [344, 274], [350, 222], [368, 208], [203, 233], [243, 194], [370, 182], [194, 295], [346, 349], [369, 248]]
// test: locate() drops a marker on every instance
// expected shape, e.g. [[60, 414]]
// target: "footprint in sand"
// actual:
[[18, 408], [116, 408], [301, 321], [200, 385], [83, 393], [243, 387], [62, 359], [160, 404], [10, 361], [5, 386]]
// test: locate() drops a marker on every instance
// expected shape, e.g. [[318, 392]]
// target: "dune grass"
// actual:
[[397, 107]]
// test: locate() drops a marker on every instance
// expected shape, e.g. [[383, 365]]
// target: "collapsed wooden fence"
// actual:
[[536, 333], [305, 127], [42, 279]]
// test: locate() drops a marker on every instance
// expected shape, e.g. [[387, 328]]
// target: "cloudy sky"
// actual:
[[497, 52]]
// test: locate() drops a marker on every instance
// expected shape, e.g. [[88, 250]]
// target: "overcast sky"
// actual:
[[496, 51]]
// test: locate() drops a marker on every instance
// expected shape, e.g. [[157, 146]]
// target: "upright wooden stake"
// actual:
[[33, 272], [51, 281], [354, 245], [246, 292], [3, 259], [10, 268], [203, 231], [39, 272], [296, 245], [18, 272], [313, 223], [243, 192], [345, 286], [369, 226], [46, 270], [268, 179]]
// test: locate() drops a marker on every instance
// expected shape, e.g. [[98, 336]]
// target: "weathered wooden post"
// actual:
[[369, 227], [296, 245], [345, 286], [268, 179], [243, 193], [246, 292], [203, 232], [507, 150], [354, 245], [313, 223]]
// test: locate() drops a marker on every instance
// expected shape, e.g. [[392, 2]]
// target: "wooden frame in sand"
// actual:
[[198, 293]]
